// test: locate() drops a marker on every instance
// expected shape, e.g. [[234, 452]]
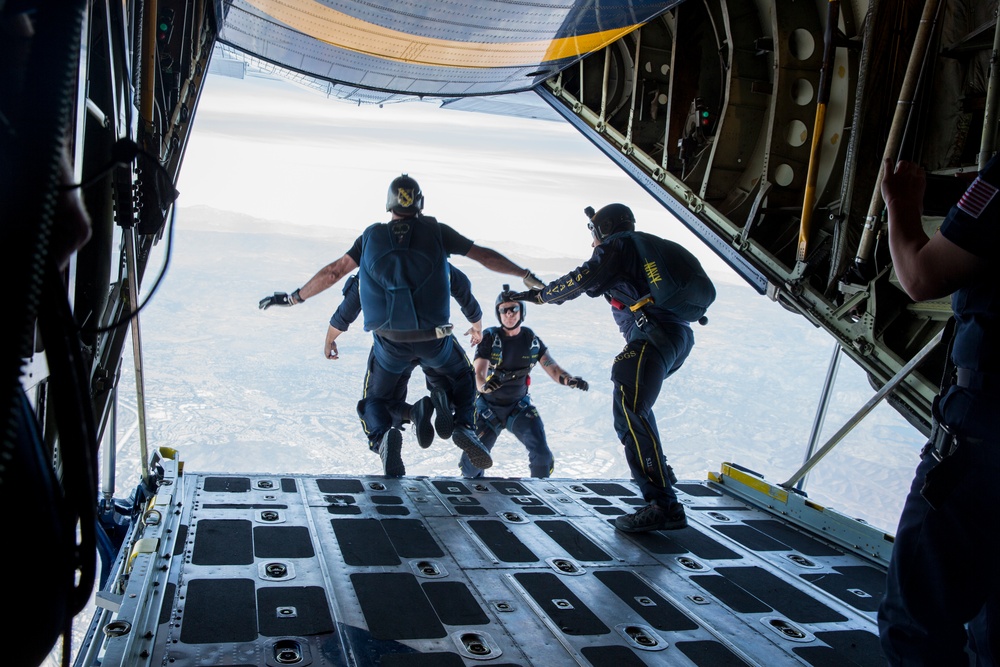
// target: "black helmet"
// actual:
[[609, 220], [504, 297], [405, 197]]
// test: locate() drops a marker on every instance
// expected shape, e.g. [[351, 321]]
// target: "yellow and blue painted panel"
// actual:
[[431, 47]]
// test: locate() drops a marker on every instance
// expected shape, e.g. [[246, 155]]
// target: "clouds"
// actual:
[[272, 150]]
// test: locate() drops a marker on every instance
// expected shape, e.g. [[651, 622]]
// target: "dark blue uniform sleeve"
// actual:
[[355, 251], [973, 224], [350, 307], [461, 289], [454, 243], [591, 278]]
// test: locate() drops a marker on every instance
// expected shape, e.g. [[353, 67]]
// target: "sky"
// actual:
[[273, 150]]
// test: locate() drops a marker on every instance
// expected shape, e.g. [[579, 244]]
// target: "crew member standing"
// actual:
[[943, 573], [405, 298]]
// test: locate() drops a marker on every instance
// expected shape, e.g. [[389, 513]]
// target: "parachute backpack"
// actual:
[[677, 282]]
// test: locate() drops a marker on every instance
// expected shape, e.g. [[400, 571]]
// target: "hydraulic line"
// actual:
[[823, 99], [904, 107], [988, 143]]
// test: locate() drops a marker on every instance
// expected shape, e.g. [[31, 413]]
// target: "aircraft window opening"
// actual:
[[797, 133], [802, 92], [801, 44], [784, 175]]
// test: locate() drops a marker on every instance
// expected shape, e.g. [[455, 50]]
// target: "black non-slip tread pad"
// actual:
[[847, 648], [282, 542], [289, 611], [791, 602], [575, 543], [685, 540], [223, 542], [362, 542], [705, 653], [379, 594], [454, 603], [503, 543], [860, 586], [219, 610], [645, 601], [615, 656], [353, 486], [573, 617]]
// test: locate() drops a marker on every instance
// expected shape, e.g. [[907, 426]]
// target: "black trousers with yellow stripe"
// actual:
[[638, 373]]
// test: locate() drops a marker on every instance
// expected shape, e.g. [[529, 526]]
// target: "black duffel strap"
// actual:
[[415, 335], [977, 380]]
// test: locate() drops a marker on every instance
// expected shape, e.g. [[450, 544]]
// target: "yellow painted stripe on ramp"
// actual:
[[756, 483]]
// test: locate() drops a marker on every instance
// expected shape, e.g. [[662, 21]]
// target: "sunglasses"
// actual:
[[504, 310]]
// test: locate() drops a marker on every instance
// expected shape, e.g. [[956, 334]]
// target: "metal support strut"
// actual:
[[863, 412]]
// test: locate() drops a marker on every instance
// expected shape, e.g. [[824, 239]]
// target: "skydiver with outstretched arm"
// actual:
[[658, 339], [405, 298]]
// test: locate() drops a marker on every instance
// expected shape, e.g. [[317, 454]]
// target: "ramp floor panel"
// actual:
[[417, 571]]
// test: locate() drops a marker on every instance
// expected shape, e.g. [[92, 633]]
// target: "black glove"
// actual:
[[575, 382], [492, 384], [532, 282], [532, 296], [280, 299]]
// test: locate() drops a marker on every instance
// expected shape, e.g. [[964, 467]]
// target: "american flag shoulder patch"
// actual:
[[977, 197]]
